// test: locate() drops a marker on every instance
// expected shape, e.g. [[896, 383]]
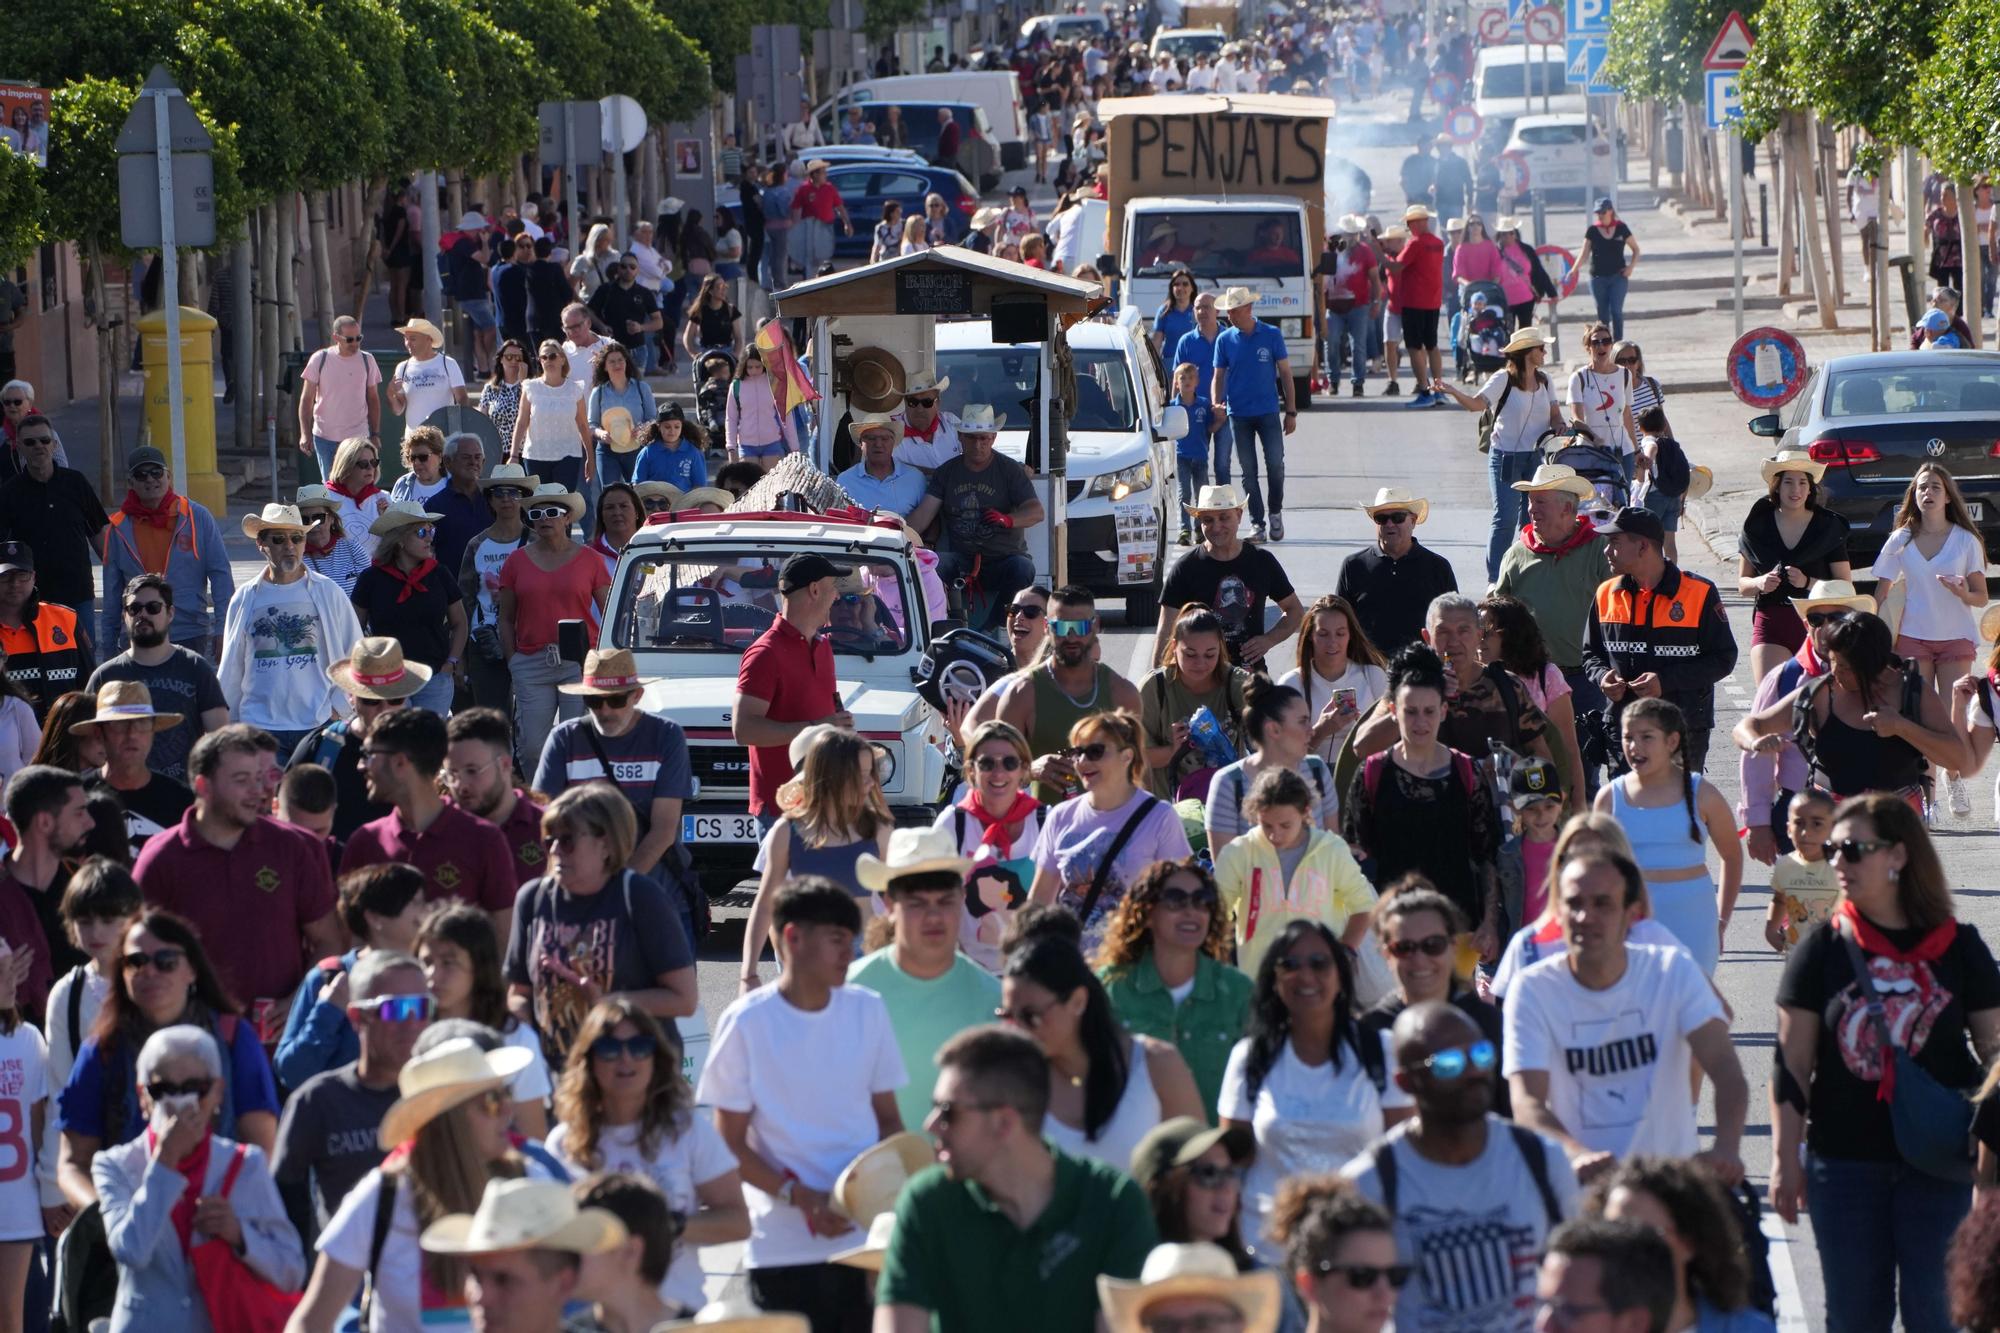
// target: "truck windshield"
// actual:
[[717, 600], [1008, 377], [1219, 244], [1501, 83], [1188, 45], [1104, 399]]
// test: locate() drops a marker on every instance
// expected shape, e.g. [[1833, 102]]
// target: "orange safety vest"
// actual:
[[44, 654]]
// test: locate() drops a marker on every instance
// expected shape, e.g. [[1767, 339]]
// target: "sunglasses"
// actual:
[[160, 960], [1817, 619], [1210, 1176], [1430, 946], [639, 1046], [495, 1102], [1453, 1063], [423, 530], [944, 1112], [401, 1008], [1026, 1018], [1092, 752], [144, 608], [540, 512], [655, 504], [1025, 610], [1182, 900], [596, 702], [1071, 629], [1315, 962], [38, 439], [13, 402], [1597, 342], [283, 539], [506, 493], [1006, 763], [1855, 850], [1363, 1276], [1628, 360], [369, 463], [553, 356], [1388, 516], [350, 339], [160, 1089], [922, 402], [149, 474], [423, 457]]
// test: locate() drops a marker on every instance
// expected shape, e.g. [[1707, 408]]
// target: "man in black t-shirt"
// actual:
[[126, 722], [629, 311], [1231, 578], [55, 510], [985, 500], [1392, 583]]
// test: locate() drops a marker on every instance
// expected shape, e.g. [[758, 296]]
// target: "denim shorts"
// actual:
[[776, 449], [1666, 508], [479, 314]]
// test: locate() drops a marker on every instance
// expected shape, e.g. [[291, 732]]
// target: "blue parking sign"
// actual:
[[1586, 17], [1723, 96]]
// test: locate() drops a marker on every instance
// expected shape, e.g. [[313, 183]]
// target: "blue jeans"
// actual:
[[774, 270], [1270, 429], [568, 471], [1608, 291], [436, 693], [323, 451], [1000, 577], [1347, 330], [1510, 507], [1882, 1229], [613, 466], [1194, 475]]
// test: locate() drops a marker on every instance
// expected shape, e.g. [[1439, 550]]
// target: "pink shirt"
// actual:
[[1476, 261], [341, 410], [543, 597]]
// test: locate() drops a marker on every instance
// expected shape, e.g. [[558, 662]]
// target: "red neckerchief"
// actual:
[[912, 433], [413, 582], [996, 835], [325, 550], [1872, 941], [160, 515], [195, 1167], [359, 497], [1810, 659], [1585, 531]]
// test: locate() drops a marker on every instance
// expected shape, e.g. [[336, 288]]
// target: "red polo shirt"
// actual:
[[818, 200], [251, 902], [464, 858], [796, 679], [1422, 284]]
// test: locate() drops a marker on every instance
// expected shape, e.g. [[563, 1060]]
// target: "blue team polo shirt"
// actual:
[[1251, 389]]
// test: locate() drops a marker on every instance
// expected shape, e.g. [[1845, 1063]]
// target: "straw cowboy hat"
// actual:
[[377, 671], [450, 1074], [525, 1215], [1234, 297], [738, 1315], [1828, 594], [1353, 224], [1524, 340], [428, 329], [1989, 623], [818, 164], [980, 419], [986, 216], [926, 381], [860, 422], [552, 492], [401, 514], [1506, 222], [868, 1187], [912, 851], [608, 671], [1417, 213], [1701, 480], [1556, 477], [791, 793], [314, 496], [704, 495], [875, 380], [618, 425], [658, 490], [1216, 500], [1199, 1269], [1399, 497], [1792, 460], [870, 1253], [510, 474], [283, 518], [128, 701]]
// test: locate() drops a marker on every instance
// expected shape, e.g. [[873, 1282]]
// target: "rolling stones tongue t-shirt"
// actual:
[[1926, 1005]]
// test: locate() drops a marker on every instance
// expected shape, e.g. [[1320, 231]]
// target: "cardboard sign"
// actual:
[[1218, 147]]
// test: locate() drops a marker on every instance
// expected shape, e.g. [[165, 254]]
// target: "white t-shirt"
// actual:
[[532, 1084], [1369, 683], [1474, 1233], [1601, 400], [1306, 1119], [60, 1058], [1525, 414], [1617, 1059], [429, 384], [1931, 610], [1529, 946], [552, 431], [807, 1081], [24, 1082], [678, 1165], [583, 360], [287, 689]]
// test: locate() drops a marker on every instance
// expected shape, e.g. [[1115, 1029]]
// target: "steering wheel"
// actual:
[[961, 682]]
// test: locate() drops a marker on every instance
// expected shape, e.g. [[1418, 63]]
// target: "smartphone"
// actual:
[[1345, 701]]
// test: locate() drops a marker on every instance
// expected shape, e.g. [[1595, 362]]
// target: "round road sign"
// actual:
[[1543, 25], [623, 123], [1462, 124], [1513, 168], [1561, 267], [1767, 368], [1492, 26], [1444, 89]]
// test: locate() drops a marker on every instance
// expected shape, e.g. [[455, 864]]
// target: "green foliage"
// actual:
[[1957, 115], [21, 220], [721, 28], [50, 42], [651, 61], [880, 18], [1656, 46], [566, 40], [1853, 62], [479, 83], [387, 118]]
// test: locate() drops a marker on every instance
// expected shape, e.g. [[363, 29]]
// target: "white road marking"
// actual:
[[1791, 1305]]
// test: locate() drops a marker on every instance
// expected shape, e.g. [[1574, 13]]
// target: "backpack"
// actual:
[[1534, 1155], [1671, 471], [1461, 764], [1749, 1215], [1805, 724], [1490, 418]]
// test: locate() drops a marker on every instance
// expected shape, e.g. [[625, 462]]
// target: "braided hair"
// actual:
[[1668, 717]]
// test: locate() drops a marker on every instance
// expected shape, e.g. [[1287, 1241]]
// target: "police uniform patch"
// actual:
[[56, 633], [1677, 613], [529, 854]]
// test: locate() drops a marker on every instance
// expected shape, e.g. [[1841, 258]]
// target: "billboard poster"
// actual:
[[24, 121]]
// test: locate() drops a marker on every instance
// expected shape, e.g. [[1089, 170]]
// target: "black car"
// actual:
[[1875, 418]]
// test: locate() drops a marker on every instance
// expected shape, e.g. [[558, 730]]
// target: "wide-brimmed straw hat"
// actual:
[[875, 379], [552, 492], [736, 1314], [1398, 497], [284, 518], [912, 851], [448, 1075], [869, 1184], [428, 329], [1199, 1269], [1216, 499], [608, 671], [1234, 297], [525, 1215], [1989, 623], [1556, 477], [985, 216], [315, 496], [1525, 339], [926, 381], [1829, 594], [865, 421], [658, 490], [1416, 212], [870, 1253], [401, 514], [980, 419], [1792, 460], [377, 671], [1506, 222], [510, 474], [704, 495], [128, 701]]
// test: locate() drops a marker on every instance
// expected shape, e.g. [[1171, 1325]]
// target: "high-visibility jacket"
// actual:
[[1676, 629], [46, 654]]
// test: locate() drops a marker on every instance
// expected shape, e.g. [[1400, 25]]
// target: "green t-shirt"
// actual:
[[925, 1015], [958, 1256]]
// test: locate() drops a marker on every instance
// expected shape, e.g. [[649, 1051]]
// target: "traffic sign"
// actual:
[[1561, 267], [1492, 26], [623, 123], [1731, 47], [1586, 60], [1444, 88], [1543, 25], [1767, 367], [1588, 17], [1462, 124], [1723, 96], [1513, 169]]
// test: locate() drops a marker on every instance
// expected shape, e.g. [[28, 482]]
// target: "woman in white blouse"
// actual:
[[552, 431]]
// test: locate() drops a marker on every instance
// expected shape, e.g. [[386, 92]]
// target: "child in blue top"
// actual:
[[673, 451], [1191, 450]]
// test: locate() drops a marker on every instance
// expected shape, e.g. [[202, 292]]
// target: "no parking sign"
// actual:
[[1444, 88], [1767, 368], [1513, 169], [1561, 267], [1462, 124]]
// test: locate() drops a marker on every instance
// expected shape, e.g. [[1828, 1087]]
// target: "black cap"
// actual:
[[1633, 521], [16, 556], [1533, 780], [672, 412], [802, 571]]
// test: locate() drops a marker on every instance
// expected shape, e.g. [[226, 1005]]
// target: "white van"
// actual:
[[997, 92], [1509, 82], [1063, 27]]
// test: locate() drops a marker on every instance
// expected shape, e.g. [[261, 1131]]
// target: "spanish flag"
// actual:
[[789, 381]]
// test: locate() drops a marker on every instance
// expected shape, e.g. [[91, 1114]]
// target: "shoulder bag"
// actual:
[[1932, 1123], [238, 1297]]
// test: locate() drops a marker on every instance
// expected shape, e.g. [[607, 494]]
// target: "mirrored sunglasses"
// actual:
[[1455, 1062], [1071, 629], [401, 1008]]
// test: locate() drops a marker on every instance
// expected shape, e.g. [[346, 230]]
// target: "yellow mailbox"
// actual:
[[204, 483]]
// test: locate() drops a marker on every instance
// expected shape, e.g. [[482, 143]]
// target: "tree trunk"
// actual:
[[286, 211], [1653, 136], [107, 369], [1828, 176], [269, 332], [242, 264], [1788, 240], [1968, 244], [363, 248], [454, 194], [322, 267], [1822, 288]]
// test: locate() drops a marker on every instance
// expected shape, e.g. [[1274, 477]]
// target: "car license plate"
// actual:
[[719, 828], [1978, 509]]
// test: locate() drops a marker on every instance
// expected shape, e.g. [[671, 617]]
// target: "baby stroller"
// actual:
[[1600, 465], [713, 374], [1479, 330]]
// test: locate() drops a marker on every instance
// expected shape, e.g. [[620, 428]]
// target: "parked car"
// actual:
[[1063, 28], [997, 91], [865, 186], [978, 146], [1875, 417], [1565, 153]]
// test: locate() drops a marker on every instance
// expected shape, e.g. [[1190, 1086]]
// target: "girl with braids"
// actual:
[[1298, 1082], [1663, 809], [1107, 1088], [1684, 1202], [1340, 1252], [1165, 966], [623, 1105]]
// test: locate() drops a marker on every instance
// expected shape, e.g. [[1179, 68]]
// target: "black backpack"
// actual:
[[1671, 471]]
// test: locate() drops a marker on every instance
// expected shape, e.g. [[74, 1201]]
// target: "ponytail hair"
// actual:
[[1668, 717]]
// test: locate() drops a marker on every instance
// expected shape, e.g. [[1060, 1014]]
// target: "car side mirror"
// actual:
[[1766, 426], [1173, 422]]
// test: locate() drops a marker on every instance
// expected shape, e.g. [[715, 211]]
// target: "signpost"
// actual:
[[1721, 68], [624, 128], [1543, 26], [166, 199], [1462, 124], [568, 130], [1767, 368]]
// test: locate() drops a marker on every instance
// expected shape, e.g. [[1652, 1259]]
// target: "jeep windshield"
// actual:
[[1220, 244], [718, 600], [1007, 376]]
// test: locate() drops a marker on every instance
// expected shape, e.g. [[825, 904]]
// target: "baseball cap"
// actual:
[[1634, 522], [144, 456], [804, 570], [16, 556], [1604, 204], [1533, 780]]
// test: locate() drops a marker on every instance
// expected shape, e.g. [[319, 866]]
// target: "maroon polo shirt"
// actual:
[[523, 832], [251, 903], [463, 857], [21, 928], [795, 678]]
